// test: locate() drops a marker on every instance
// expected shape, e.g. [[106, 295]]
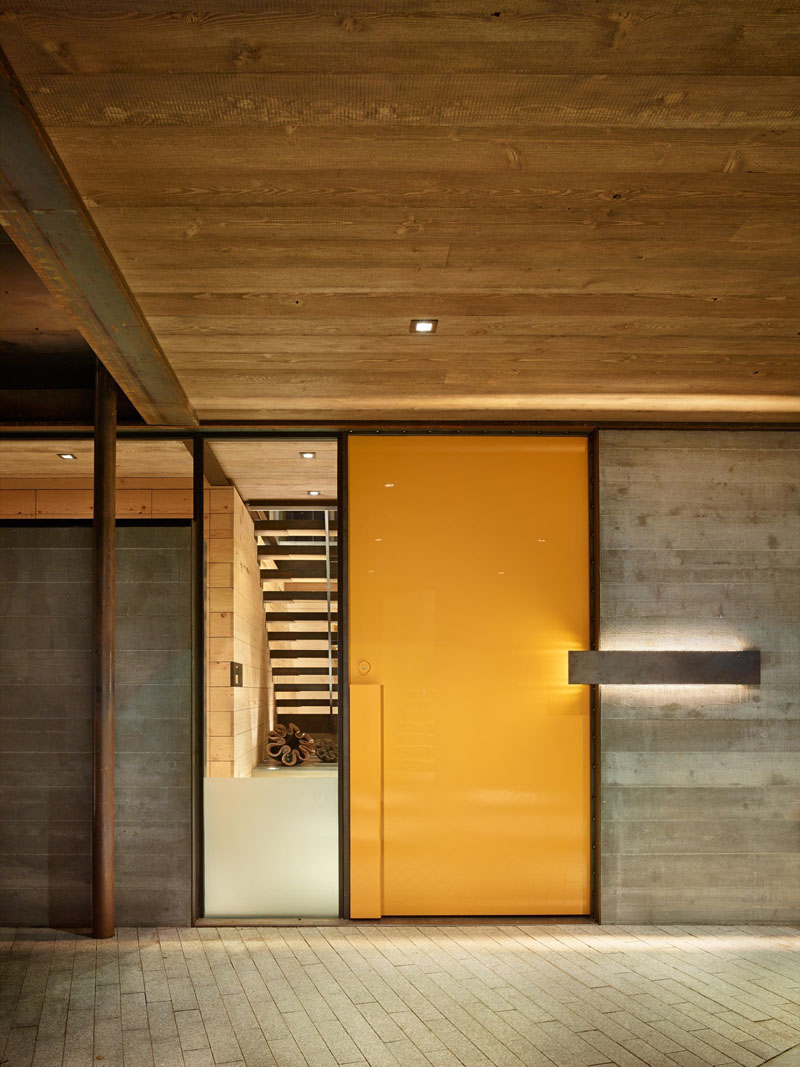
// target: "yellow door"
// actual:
[[470, 762]]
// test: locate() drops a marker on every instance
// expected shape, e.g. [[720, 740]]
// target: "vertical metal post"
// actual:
[[327, 515], [594, 644], [198, 673], [104, 605], [343, 600]]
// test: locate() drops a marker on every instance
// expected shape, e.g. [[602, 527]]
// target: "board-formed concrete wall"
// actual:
[[700, 809], [153, 728], [46, 726]]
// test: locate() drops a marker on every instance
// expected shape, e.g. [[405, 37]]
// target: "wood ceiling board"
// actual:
[[528, 378], [427, 284], [218, 331], [135, 459], [552, 101], [722, 36], [473, 406], [401, 192], [274, 469], [595, 197], [113, 160], [246, 257], [402, 307], [132, 226]]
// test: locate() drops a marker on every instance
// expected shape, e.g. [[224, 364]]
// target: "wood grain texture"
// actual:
[[276, 470], [538, 36], [237, 718], [659, 102], [40, 460], [598, 205]]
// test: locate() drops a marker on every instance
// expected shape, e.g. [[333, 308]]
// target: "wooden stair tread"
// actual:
[[279, 597], [302, 635]]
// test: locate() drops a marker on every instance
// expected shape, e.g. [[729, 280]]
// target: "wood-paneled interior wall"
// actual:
[[71, 498], [700, 785], [238, 717]]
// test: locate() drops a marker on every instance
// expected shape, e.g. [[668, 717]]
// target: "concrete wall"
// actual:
[[700, 815], [153, 733], [45, 726]]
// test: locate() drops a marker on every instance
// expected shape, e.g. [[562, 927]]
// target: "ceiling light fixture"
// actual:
[[66, 455], [314, 492], [309, 455], [423, 325]]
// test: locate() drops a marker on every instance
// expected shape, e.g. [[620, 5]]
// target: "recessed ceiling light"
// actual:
[[389, 485], [66, 455], [314, 492], [309, 455], [423, 325]]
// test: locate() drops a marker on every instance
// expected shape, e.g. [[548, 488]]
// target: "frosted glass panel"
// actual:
[[272, 844]]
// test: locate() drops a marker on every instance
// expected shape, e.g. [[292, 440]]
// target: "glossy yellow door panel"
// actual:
[[366, 801], [468, 585]]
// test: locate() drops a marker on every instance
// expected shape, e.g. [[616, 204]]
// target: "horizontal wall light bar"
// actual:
[[665, 668]]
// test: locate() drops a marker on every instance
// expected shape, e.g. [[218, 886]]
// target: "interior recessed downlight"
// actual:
[[314, 492], [309, 455], [423, 325], [66, 455]]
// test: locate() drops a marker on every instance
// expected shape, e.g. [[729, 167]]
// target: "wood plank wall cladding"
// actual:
[[598, 205], [64, 498], [238, 717], [46, 726], [700, 816]]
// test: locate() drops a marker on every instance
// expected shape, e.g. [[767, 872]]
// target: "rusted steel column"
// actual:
[[104, 604]]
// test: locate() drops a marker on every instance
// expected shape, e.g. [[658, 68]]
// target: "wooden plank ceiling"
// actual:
[[597, 201], [277, 470], [33, 461]]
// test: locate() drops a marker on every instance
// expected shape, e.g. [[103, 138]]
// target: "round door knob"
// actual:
[[364, 667]]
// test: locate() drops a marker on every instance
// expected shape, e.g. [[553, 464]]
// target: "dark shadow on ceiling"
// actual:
[[46, 367]]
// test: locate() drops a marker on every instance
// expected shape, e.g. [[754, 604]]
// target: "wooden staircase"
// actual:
[[298, 558]]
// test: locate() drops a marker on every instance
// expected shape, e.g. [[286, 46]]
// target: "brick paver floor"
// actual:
[[414, 996]]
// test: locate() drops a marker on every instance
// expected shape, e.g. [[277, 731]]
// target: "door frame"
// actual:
[[592, 437]]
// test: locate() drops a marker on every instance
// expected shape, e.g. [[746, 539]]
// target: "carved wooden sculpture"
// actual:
[[289, 745]]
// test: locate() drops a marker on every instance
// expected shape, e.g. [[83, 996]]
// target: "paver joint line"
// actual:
[[403, 996]]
